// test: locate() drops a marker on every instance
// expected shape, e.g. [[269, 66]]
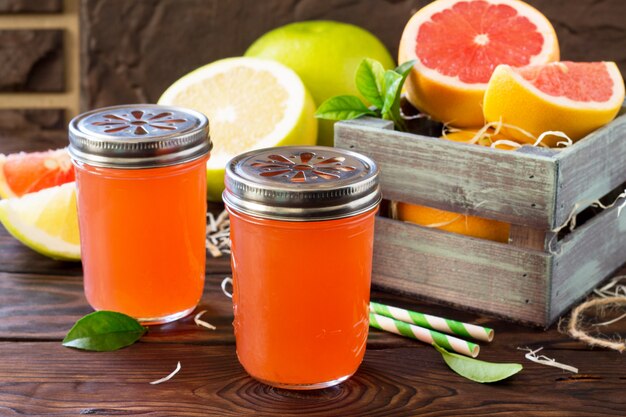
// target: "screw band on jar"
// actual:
[[296, 183], [139, 136]]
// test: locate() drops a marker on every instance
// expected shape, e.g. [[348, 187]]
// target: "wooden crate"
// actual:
[[539, 274]]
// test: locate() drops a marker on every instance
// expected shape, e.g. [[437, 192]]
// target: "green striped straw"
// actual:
[[434, 323], [424, 335]]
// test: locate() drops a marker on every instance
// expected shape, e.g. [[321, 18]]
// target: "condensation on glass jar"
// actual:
[[141, 195], [302, 227]]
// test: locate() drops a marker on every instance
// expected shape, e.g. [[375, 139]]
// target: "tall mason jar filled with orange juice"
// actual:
[[141, 194], [302, 227]]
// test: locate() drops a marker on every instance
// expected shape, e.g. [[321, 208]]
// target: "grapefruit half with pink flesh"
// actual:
[[457, 45], [22, 173], [575, 98]]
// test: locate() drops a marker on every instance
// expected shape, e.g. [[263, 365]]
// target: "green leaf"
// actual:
[[104, 331], [343, 108], [476, 370], [393, 85], [369, 81], [405, 68]]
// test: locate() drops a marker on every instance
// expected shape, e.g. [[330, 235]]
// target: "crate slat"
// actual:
[[586, 257], [591, 169], [483, 275], [513, 187], [534, 278]]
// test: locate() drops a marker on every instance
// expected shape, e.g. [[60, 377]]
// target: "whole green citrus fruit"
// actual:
[[325, 54]]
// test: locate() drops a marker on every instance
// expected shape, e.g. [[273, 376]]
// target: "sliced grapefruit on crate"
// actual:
[[457, 44], [22, 173], [574, 98]]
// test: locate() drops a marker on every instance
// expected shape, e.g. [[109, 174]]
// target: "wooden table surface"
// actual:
[[40, 299]]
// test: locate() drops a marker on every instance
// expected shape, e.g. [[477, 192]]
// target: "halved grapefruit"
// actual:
[[458, 43], [22, 173], [571, 97]]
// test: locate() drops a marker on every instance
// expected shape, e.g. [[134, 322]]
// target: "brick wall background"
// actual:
[[130, 51], [39, 72]]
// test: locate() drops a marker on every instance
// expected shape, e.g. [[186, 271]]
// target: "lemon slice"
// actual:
[[45, 221], [251, 103]]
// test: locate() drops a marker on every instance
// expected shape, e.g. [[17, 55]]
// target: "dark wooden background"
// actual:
[[40, 299], [132, 51]]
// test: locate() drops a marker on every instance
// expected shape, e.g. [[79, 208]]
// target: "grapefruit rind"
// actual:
[[446, 98], [19, 215], [516, 101]]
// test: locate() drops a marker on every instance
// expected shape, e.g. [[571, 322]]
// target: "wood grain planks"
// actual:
[[461, 270], [514, 187], [399, 376], [591, 169], [41, 379], [587, 257]]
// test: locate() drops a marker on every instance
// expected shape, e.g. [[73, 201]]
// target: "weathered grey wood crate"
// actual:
[[539, 274]]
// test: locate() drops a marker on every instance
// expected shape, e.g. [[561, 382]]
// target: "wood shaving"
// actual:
[[571, 219], [544, 360], [613, 288], [566, 143], [505, 142], [167, 378], [225, 282], [218, 234], [203, 323]]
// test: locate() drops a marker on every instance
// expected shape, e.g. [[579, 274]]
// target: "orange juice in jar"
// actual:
[[141, 188], [302, 227]]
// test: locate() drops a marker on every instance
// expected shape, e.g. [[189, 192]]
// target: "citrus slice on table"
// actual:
[[457, 45], [251, 103], [22, 173], [45, 221], [570, 97]]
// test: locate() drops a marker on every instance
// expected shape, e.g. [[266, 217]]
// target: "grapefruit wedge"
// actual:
[[571, 97], [23, 173], [457, 45]]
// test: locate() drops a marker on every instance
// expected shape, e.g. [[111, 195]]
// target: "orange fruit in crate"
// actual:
[[458, 44], [571, 97], [455, 222], [22, 173], [486, 139]]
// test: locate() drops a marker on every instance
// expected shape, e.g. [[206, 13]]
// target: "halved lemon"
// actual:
[[251, 103], [45, 221]]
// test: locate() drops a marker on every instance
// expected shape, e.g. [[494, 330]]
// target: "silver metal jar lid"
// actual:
[[139, 136], [300, 183]]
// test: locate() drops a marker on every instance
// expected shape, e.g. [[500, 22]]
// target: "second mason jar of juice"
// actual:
[[302, 226], [141, 195]]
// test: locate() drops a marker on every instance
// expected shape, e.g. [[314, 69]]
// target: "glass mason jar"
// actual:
[[141, 195], [302, 227]]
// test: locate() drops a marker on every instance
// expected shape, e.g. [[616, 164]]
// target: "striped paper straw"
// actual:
[[434, 323], [424, 335]]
